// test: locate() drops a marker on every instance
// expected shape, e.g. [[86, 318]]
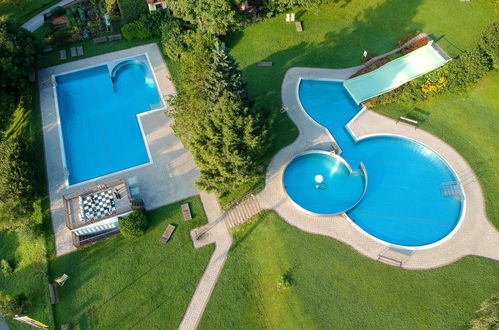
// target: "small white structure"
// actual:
[[156, 4]]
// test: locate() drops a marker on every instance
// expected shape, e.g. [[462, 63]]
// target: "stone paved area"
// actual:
[[476, 236], [168, 179]]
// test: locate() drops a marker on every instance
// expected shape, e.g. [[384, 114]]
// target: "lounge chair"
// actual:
[[73, 51], [100, 40], [167, 234], [288, 18], [114, 37], [299, 27], [186, 212], [62, 55], [79, 50], [62, 279]]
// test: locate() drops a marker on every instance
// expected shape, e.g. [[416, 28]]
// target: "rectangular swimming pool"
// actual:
[[98, 108]]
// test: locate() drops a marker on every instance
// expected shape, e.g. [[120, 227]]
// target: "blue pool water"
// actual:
[[335, 185], [404, 203], [100, 128]]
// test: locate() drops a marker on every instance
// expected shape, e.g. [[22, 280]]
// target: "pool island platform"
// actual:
[[167, 178]]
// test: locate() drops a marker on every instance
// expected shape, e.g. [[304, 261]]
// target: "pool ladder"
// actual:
[[452, 188]]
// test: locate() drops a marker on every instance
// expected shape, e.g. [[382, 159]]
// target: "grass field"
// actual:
[[470, 123], [29, 251], [335, 288], [132, 284], [22, 10], [336, 37]]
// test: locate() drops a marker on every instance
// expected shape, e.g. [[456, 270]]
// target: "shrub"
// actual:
[[148, 26], [110, 6], [285, 280], [131, 10], [134, 224], [16, 171], [61, 37], [10, 306], [5, 267], [489, 42], [488, 315], [468, 69], [171, 39], [135, 30]]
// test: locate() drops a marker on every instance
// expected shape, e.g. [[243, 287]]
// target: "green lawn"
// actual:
[[132, 284], [22, 10], [470, 123], [336, 37], [29, 251], [336, 288]]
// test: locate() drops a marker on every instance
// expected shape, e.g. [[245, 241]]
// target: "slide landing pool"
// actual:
[[412, 197]]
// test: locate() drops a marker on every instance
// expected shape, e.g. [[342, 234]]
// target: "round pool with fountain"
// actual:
[[323, 183]]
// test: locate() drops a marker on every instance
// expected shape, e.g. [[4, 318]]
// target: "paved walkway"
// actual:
[[476, 236], [214, 232], [36, 21]]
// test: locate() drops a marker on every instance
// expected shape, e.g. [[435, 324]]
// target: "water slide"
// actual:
[[396, 73]]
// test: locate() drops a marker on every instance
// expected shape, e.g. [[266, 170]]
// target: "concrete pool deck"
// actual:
[[168, 179], [476, 236]]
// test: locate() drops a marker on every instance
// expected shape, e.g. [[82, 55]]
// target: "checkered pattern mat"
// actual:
[[97, 205]]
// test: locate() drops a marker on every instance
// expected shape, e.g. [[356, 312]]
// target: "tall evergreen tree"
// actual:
[[214, 121]]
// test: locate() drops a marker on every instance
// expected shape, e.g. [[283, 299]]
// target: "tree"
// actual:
[[16, 171], [213, 16], [489, 41], [488, 315], [280, 6], [134, 224], [132, 9], [16, 183], [18, 51], [213, 119]]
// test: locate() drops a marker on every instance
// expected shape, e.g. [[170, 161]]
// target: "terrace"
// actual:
[[98, 219]]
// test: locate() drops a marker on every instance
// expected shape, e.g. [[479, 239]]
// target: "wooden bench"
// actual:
[[264, 63], [114, 37], [167, 234], [299, 27], [186, 211], [99, 40], [54, 297], [408, 121]]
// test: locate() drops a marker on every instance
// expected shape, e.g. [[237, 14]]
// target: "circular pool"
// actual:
[[323, 183]]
